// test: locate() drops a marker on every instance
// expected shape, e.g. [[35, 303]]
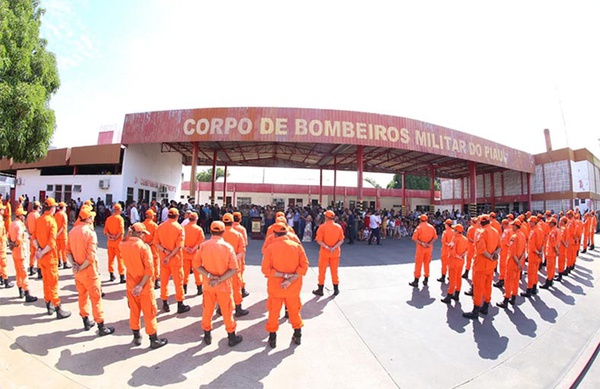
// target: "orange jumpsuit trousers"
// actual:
[[511, 280], [88, 288], [503, 263], [21, 274], [144, 303], [175, 269], [49, 266], [445, 259], [61, 250], [422, 260], [277, 297], [483, 275], [532, 270], [562, 257], [32, 250], [155, 262], [187, 265], [551, 265], [454, 276], [470, 256], [333, 262], [224, 297], [115, 252]]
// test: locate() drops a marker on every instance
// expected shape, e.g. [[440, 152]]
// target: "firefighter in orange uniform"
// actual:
[[194, 236], [586, 231], [516, 252], [217, 263], [424, 236], [552, 252], [18, 243], [487, 249], [593, 225], [45, 244], [456, 256], [330, 237], [506, 232], [148, 238], [31, 219], [535, 248], [7, 213], [447, 238], [471, 253], [169, 242], [3, 240], [62, 223], [82, 250], [284, 264], [237, 218], [563, 247], [114, 229], [573, 245], [236, 240], [495, 223], [140, 292]]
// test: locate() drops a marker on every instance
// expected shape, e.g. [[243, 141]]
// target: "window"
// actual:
[[67, 194], [58, 193], [129, 194], [77, 188], [244, 201], [279, 203], [49, 188]]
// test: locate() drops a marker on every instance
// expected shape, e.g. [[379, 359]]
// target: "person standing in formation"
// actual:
[[237, 217], [140, 293], [81, 252], [3, 240], [535, 246], [45, 244], [148, 238], [194, 236], [471, 253], [593, 225], [18, 243], [515, 256], [114, 229], [447, 238], [424, 236], [169, 242], [330, 236], [217, 263], [284, 264], [552, 252], [236, 240], [457, 250], [506, 233], [563, 248], [62, 223], [31, 220]]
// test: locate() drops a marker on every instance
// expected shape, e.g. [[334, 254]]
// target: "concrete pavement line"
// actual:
[[361, 338]]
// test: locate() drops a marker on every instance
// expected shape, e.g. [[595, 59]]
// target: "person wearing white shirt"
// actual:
[[134, 215], [164, 213], [375, 226], [186, 218]]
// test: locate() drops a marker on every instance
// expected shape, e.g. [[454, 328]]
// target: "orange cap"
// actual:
[[493, 214], [458, 228], [279, 213], [150, 212], [280, 219], [193, 216], [533, 219], [237, 214], [217, 226], [484, 218], [117, 207], [505, 221], [139, 227], [448, 222], [86, 211], [517, 223], [50, 202], [279, 228], [329, 214], [423, 218], [227, 218], [20, 212], [173, 212]]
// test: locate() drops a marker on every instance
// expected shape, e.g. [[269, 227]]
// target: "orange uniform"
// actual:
[[564, 246], [236, 240], [239, 228], [573, 245], [552, 252], [148, 238], [329, 233], [487, 240], [270, 236], [424, 235], [447, 239], [169, 235], [7, 215], [504, 245], [535, 247], [471, 237], [30, 222], [217, 257], [83, 246], [516, 252], [194, 236], [114, 228], [593, 225], [45, 235], [62, 223], [586, 231], [19, 250], [284, 257], [138, 261], [458, 250], [3, 241]]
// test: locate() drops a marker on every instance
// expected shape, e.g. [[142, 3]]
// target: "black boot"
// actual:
[[29, 298], [198, 290], [8, 284], [425, 281], [50, 307], [166, 306], [318, 291], [66, 265], [297, 337], [447, 299], [137, 338], [184, 288], [558, 277], [336, 290], [474, 314], [273, 339], [456, 295], [39, 271], [513, 300], [584, 251], [87, 323], [240, 312], [469, 292], [207, 337], [30, 271], [122, 281], [156, 284], [181, 307], [415, 283], [465, 274], [592, 247], [155, 342], [534, 290], [499, 284], [442, 279], [484, 308], [21, 293], [527, 293], [112, 277], [547, 284], [503, 304], [61, 313], [104, 330], [245, 293], [233, 339]]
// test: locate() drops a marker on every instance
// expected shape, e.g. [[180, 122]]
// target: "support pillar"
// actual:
[[432, 190], [321, 187], [193, 173], [529, 207], [334, 179], [493, 192], [225, 186], [214, 177], [359, 168], [403, 182], [473, 189]]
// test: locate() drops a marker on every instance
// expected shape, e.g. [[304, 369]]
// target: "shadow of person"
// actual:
[[314, 307], [575, 289], [455, 319], [40, 344], [567, 299], [420, 299], [546, 313], [584, 281], [489, 342], [523, 324], [38, 314], [93, 362]]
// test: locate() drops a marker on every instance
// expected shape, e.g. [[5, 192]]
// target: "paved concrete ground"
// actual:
[[379, 332]]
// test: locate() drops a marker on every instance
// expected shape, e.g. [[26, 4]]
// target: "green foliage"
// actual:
[[372, 182], [413, 182], [206, 175], [28, 78]]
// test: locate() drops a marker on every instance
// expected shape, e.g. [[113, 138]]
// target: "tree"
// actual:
[[372, 182], [206, 175], [413, 182], [28, 78]]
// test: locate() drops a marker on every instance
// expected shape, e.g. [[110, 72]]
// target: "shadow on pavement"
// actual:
[[546, 313], [489, 342], [523, 324], [420, 298]]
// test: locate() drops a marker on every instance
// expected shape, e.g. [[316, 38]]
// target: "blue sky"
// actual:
[[503, 71]]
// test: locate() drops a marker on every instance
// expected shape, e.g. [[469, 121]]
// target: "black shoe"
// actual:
[[297, 337], [234, 339], [155, 342], [198, 290], [240, 312], [273, 339], [156, 284], [184, 288], [336, 290], [456, 295], [21, 293], [503, 304], [29, 298], [442, 279], [87, 323], [166, 306], [583, 251], [111, 278], [50, 308], [8, 284], [534, 290], [465, 274], [245, 293], [469, 292], [122, 280], [182, 308], [39, 274], [207, 338], [66, 265], [425, 281], [104, 330], [592, 247], [546, 285], [318, 291], [558, 277], [137, 338], [61, 313], [499, 284], [415, 283], [527, 293], [31, 271], [474, 314], [513, 300], [447, 299], [484, 308]]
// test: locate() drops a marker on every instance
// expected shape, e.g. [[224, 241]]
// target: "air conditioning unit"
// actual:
[[76, 188], [104, 184]]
